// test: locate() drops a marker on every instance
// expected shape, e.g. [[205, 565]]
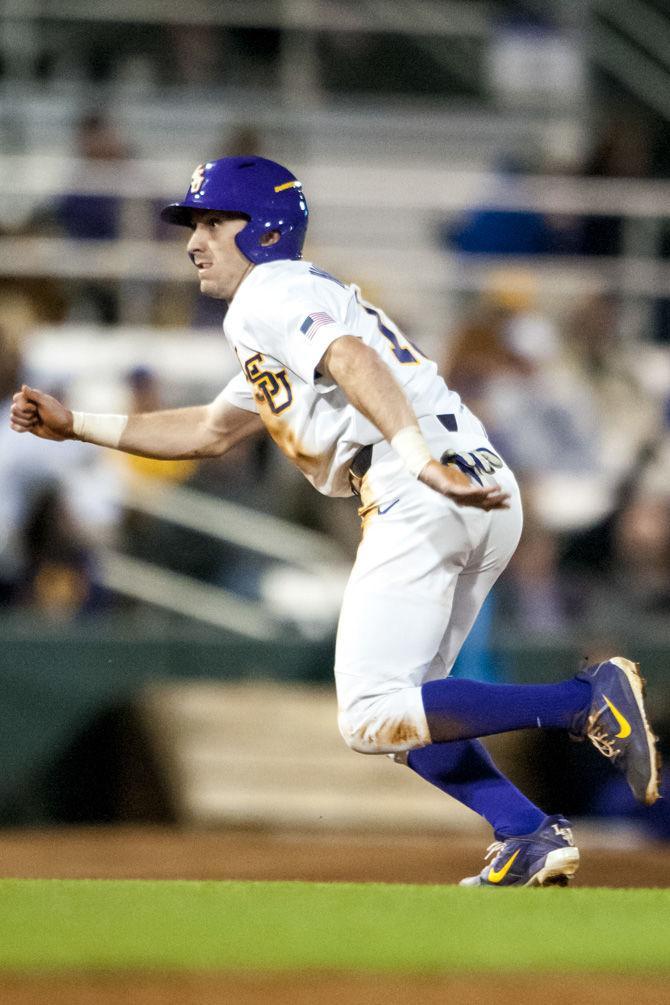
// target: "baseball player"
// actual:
[[359, 409]]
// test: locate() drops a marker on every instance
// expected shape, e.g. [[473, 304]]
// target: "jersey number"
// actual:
[[401, 352], [271, 386]]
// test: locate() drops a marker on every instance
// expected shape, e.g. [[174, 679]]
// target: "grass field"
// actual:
[[279, 926]]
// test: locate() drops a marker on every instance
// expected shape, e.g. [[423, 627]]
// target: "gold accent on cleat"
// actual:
[[497, 877], [624, 725]]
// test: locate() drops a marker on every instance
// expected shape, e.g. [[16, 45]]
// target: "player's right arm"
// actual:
[[173, 434]]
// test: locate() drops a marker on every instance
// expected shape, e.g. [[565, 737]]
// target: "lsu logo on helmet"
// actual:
[[197, 178], [268, 194]]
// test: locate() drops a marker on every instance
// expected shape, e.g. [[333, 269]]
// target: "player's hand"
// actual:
[[42, 415], [451, 482]]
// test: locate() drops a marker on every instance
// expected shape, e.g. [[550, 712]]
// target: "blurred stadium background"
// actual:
[[496, 175]]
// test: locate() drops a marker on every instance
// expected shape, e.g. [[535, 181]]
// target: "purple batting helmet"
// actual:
[[265, 192]]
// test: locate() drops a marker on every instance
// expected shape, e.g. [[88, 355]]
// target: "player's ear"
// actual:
[[269, 238]]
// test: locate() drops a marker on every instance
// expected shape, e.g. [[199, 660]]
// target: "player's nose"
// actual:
[[195, 242]]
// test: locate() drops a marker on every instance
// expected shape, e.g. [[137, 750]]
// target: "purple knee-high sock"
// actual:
[[465, 771], [459, 709]]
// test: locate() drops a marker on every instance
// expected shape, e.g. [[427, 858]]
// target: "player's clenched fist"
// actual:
[[42, 415], [451, 482]]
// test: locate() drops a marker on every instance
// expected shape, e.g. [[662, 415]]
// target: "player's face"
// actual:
[[220, 263]]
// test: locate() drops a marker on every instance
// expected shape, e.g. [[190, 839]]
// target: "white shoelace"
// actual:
[[493, 849], [598, 735]]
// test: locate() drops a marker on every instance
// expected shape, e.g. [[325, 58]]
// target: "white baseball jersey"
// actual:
[[282, 319], [424, 565]]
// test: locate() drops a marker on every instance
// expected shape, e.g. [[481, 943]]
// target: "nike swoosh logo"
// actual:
[[497, 877], [624, 725], [387, 508]]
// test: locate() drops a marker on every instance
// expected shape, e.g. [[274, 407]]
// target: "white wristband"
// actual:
[[105, 430], [412, 448]]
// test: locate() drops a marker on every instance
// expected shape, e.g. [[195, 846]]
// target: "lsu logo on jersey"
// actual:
[[271, 388], [197, 179]]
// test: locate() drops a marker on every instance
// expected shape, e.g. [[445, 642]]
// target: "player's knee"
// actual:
[[381, 732], [353, 733]]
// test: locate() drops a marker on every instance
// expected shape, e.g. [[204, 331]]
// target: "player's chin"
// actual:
[[209, 288]]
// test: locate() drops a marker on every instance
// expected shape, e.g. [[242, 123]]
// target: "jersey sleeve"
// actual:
[[307, 317], [237, 392]]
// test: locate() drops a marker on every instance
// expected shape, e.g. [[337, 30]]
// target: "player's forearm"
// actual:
[[370, 386], [175, 434]]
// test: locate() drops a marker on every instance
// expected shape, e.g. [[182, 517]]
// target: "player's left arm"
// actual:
[[371, 388]]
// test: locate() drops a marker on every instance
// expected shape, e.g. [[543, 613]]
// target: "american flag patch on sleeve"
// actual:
[[313, 322]]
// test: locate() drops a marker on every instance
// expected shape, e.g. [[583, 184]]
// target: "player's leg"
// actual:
[[604, 703], [387, 642], [387, 716], [531, 848], [415, 563], [466, 772], [395, 631], [459, 709], [463, 768], [395, 613]]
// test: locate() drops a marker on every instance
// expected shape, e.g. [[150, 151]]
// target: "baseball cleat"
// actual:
[[547, 857], [616, 724]]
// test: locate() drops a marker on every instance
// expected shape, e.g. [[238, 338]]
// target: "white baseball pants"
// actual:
[[422, 572]]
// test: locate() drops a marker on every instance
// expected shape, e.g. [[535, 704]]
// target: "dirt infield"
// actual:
[[153, 853], [333, 990], [158, 853]]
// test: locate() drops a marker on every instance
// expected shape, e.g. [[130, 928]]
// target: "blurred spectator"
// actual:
[[196, 52], [642, 551], [95, 217], [641, 532], [55, 505], [569, 414], [622, 150], [27, 301], [182, 550], [86, 216], [536, 599], [143, 535], [10, 365], [59, 578], [622, 557], [498, 364], [487, 229], [501, 361], [611, 370], [145, 395]]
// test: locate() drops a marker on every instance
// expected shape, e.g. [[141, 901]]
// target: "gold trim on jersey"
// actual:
[[368, 507], [405, 355]]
